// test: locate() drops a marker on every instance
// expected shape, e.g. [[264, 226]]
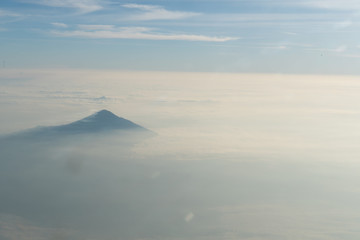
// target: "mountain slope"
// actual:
[[103, 121]]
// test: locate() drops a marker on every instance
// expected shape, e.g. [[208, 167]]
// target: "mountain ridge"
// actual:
[[102, 121]]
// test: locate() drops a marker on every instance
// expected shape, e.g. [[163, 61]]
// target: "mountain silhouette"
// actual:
[[103, 121]]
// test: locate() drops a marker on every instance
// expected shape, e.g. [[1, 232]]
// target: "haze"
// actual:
[[237, 156]]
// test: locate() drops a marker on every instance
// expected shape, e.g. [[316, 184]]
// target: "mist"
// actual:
[[236, 156]]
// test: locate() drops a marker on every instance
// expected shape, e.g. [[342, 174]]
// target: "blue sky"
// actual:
[[284, 36]]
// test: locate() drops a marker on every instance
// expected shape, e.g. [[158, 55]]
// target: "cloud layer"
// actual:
[[83, 6], [110, 32], [153, 12]]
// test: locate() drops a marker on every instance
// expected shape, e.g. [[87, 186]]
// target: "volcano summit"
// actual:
[[103, 121]]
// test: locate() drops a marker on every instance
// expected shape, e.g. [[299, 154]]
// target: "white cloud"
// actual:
[[330, 4], [343, 5], [135, 33], [153, 12], [343, 24], [350, 55], [189, 217], [83, 6], [61, 25], [340, 49], [291, 33], [5, 13], [96, 27], [337, 50]]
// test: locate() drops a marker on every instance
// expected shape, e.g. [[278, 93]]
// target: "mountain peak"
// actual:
[[99, 121], [103, 115], [104, 112], [102, 121]]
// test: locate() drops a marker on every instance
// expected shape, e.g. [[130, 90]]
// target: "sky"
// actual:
[[285, 36]]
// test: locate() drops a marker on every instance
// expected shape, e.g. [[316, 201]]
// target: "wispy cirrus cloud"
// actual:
[[339, 51], [154, 12], [82, 6], [110, 32], [344, 5], [350, 55], [5, 13], [60, 25], [96, 27], [343, 24]]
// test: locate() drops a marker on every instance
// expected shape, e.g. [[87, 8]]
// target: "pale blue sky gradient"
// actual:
[[311, 37]]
